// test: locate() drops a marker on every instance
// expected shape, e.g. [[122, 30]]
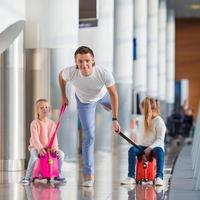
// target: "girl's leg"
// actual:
[[61, 159], [86, 114], [132, 154], [31, 163], [158, 153]]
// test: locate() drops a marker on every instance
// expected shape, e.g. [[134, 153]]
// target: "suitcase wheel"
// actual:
[[48, 180]]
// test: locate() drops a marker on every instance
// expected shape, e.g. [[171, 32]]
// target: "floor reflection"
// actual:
[[87, 193], [110, 169], [144, 192], [44, 191]]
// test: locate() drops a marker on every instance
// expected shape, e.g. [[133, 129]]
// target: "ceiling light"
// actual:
[[195, 6]]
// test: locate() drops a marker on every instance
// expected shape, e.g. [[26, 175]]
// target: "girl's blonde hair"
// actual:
[[36, 105], [149, 106]]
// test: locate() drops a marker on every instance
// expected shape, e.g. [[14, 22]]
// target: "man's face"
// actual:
[[85, 63]]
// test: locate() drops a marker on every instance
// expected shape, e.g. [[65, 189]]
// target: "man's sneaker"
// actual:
[[88, 183], [159, 181], [60, 179], [25, 181], [128, 181]]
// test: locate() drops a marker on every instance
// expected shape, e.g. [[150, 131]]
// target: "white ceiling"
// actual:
[[182, 8]]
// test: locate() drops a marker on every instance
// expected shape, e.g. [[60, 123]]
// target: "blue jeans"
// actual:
[[86, 113], [157, 152], [33, 159]]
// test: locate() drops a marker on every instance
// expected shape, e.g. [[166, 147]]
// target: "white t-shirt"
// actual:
[[155, 137], [89, 89]]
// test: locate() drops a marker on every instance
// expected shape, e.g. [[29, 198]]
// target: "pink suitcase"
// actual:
[[47, 166]]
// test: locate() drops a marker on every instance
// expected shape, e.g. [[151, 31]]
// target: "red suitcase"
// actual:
[[145, 167]]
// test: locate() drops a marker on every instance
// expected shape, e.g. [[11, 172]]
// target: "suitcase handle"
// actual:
[[131, 142], [62, 110], [135, 145]]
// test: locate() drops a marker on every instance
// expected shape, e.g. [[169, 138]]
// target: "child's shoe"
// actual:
[[159, 182], [60, 179], [25, 181], [128, 181]]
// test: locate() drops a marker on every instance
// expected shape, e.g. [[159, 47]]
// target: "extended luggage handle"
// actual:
[[130, 141], [62, 110], [134, 144]]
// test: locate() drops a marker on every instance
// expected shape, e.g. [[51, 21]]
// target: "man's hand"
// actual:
[[116, 126], [65, 100]]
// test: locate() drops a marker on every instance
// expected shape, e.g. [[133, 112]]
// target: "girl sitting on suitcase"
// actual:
[[152, 141], [42, 129]]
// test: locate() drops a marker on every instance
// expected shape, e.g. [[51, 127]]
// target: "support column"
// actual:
[[51, 39], [162, 58], [123, 30], [12, 98], [152, 46], [170, 88], [140, 58]]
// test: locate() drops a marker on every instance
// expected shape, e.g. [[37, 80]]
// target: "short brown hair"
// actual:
[[83, 50]]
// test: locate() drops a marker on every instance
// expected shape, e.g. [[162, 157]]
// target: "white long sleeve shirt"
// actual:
[[153, 138]]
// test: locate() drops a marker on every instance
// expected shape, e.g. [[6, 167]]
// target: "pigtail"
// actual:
[[149, 106], [147, 114]]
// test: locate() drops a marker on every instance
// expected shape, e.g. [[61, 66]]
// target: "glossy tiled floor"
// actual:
[[110, 169]]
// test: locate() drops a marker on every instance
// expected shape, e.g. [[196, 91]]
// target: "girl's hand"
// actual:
[[116, 126], [58, 155], [147, 151], [53, 150], [42, 151]]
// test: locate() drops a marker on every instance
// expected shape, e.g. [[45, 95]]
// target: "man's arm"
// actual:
[[114, 100], [114, 105], [62, 84]]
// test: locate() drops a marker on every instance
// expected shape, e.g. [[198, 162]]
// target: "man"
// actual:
[[93, 85]]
